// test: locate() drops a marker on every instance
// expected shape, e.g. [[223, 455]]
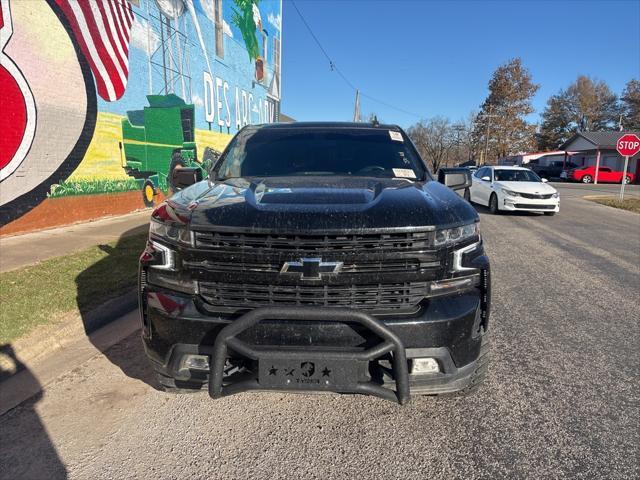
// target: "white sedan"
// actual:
[[512, 189]]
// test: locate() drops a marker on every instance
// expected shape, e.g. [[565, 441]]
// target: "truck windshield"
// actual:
[[503, 175], [270, 152]]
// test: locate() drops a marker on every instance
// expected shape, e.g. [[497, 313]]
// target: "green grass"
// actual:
[[45, 293], [630, 203], [92, 187]]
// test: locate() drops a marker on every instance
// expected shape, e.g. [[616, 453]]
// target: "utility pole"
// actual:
[[486, 137], [357, 116], [488, 116]]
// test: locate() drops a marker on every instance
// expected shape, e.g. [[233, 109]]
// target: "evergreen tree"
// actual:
[[556, 127]]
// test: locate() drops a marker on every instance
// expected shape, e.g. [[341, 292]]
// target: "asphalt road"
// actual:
[[561, 400]]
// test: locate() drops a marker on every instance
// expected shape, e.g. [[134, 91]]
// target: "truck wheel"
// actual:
[[176, 162], [148, 193], [587, 179], [493, 204]]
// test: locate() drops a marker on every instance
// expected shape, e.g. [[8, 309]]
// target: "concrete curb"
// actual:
[[51, 338]]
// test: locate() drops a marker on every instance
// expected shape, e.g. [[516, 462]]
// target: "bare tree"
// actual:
[[592, 105], [465, 148], [434, 139], [631, 105], [587, 104], [501, 125]]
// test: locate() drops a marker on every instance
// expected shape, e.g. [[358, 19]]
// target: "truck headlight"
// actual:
[[449, 236], [171, 232], [510, 193]]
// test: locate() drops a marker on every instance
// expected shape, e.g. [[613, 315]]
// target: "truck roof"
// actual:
[[337, 125]]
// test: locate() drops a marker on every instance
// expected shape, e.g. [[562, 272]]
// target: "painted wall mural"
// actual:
[[102, 99]]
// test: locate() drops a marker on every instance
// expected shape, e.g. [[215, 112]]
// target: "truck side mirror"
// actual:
[[455, 178], [185, 177]]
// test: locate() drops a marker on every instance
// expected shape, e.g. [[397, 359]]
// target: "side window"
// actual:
[[480, 172]]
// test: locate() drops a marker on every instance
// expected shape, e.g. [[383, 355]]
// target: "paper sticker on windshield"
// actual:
[[404, 172], [397, 136]]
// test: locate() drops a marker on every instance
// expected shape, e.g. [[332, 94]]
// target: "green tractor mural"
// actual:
[[159, 139]]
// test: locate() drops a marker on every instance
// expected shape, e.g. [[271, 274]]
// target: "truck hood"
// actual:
[[285, 204], [527, 187]]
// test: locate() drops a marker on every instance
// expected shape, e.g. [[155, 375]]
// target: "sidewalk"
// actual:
[[30, 248]]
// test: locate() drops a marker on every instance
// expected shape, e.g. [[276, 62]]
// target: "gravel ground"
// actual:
[[561, 399]]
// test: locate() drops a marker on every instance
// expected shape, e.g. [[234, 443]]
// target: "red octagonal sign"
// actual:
[[628, 145]]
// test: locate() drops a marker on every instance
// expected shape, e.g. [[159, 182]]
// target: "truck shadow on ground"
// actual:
[[128, 354], [22, 425]]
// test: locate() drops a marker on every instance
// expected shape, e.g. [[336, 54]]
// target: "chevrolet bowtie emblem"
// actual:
[[311, 268]]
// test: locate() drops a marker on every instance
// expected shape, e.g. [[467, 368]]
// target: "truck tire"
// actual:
[[176, 162], [148, 193]]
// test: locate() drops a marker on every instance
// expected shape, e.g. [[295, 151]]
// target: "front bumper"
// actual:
[[513, 204], [447, 329]]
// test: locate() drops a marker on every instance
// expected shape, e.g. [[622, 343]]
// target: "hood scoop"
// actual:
[[313, 196], [318, 194]]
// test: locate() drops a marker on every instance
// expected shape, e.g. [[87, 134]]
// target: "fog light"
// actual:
[[424, 365], [194, 362]]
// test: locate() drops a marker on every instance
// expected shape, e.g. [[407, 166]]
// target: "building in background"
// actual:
[[101, 100], [541, 158], [593, 148]]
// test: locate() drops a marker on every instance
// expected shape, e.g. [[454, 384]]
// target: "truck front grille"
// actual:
[[380, 297], [314, 244], [383, 266]]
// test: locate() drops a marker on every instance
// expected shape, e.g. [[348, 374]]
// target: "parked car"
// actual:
[[511, 189], [553, 169], [605, 175], [317, 257]]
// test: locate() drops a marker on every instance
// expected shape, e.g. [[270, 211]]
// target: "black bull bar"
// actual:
[[342, 359]]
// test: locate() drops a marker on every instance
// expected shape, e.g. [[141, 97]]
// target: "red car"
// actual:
[[605, 175]]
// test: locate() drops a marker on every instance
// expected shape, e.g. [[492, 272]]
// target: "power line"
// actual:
[[334, 68]]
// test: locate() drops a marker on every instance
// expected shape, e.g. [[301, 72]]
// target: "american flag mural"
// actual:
[[102, 28]]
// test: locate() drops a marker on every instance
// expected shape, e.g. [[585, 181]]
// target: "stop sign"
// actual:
[[628, 145]]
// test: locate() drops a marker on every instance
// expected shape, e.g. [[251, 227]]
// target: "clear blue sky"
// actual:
[[436, 57]]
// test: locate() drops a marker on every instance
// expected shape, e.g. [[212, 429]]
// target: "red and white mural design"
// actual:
[[55, 55], [100, 99]]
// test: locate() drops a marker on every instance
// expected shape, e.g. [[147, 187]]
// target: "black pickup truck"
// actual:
[[317, 257], [552, 169]]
